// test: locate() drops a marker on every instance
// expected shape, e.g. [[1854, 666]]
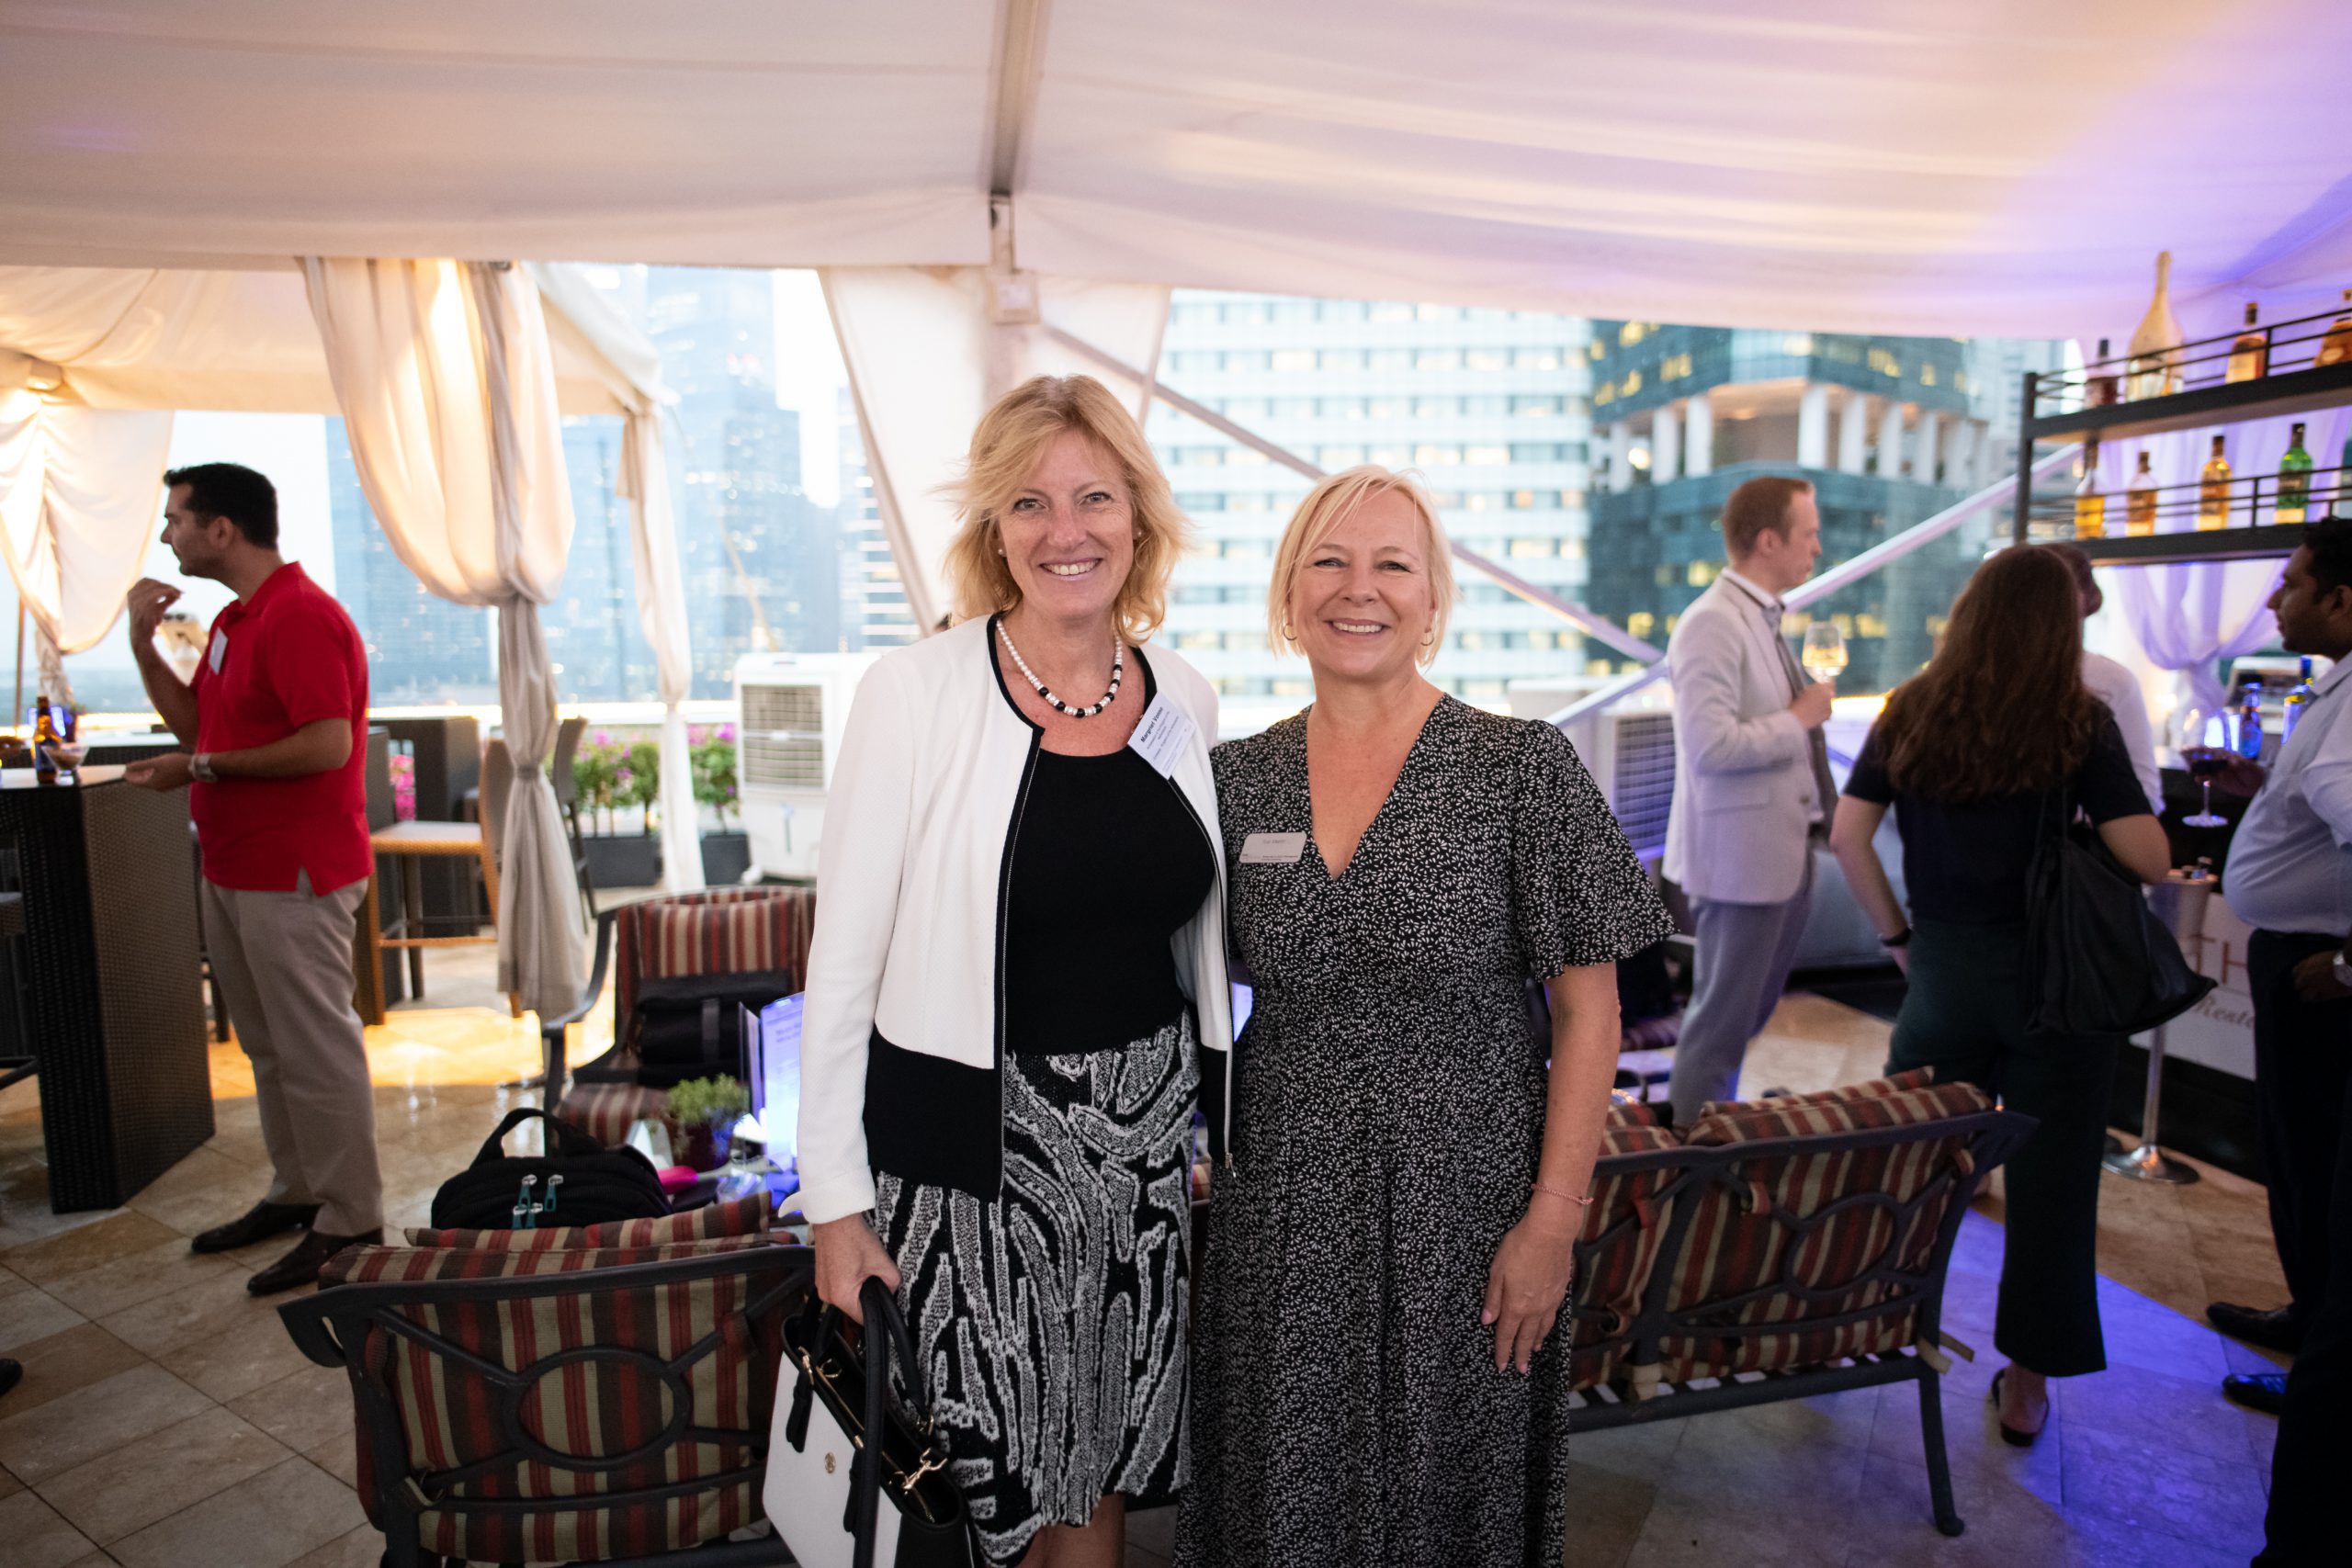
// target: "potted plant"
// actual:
[[725, 853], [702, 1114], [614, 777]]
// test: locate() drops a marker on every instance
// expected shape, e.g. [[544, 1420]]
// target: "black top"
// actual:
[[1966, 865], [1109, 864]]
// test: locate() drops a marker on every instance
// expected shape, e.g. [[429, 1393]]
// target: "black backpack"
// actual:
[[599, 1184]]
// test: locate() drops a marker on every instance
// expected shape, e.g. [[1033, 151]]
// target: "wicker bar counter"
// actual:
[[109, 970]]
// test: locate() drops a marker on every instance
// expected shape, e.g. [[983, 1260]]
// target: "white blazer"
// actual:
[[1743, 773], [926, 796]]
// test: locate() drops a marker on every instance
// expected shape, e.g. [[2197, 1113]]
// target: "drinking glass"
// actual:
[[1825, 651], [2204, 740]]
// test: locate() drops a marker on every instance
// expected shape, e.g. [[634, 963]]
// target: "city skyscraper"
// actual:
[[1885, 429], [594, 635], [874, 612], [762, 565], [1489, 405], [421, 649]]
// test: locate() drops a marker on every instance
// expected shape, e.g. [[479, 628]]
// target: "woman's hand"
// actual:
[[847, 1255], [1529, 1278]]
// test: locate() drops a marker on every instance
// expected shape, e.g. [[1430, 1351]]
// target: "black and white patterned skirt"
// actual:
[[1052, 1319]]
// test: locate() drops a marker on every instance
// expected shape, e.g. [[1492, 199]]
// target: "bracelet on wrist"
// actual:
[[1564, 1192], [1900, 938]]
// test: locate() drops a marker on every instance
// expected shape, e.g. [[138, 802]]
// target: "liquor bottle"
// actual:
[[2250, 722], [2336, 348], [2154, 370], [2213, 495], [2103, 388], [2139, 505], [45, 736], [2249, 352], [2090, 507], [2295, 482], [2299, 697]]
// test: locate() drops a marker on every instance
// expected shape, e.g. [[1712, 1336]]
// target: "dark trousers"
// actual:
[[2302, 1063], [1964, 1016], [2303, 1083]]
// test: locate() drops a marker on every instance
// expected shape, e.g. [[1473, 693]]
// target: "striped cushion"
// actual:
[[742, 1217], [726, 930], [1742, 1240], [1623, 1227], [1845, 1094], [448, 1410], [608, 1111]]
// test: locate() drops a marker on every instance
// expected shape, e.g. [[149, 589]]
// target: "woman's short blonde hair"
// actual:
[[1327, 505], [1006, 448]]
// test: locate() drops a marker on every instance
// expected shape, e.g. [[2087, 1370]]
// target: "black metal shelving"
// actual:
[[2070, 408]]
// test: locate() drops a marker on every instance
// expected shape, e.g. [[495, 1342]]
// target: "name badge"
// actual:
[[1162, 737], [1272, 849], [219, 651]]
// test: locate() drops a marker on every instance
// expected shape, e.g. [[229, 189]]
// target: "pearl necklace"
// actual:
[[1118, 666]]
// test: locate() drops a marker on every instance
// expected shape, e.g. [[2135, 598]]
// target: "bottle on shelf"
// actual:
[[2250, 722], [2090, 506], [2154, 369], [2295, 482], [2102, 389], [2343, 507], [2336, 348], [45, 736], [2214, 494], [2139, 503], [2299, 697], [2249, 352]]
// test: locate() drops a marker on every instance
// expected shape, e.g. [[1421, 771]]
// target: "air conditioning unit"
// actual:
[[790, 709], [1628, 749]]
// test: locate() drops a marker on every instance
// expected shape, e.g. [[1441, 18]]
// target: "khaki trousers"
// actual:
[[284, 961]]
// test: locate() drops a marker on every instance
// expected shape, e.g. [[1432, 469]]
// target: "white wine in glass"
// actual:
[[1825, 651]]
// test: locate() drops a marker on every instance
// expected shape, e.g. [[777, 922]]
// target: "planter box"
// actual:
[[725, 858], [631, 860]]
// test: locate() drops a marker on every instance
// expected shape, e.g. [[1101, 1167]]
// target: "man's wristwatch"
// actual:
[[201, 769]]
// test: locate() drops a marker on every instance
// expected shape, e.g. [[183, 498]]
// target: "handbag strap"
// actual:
[[886, 1341], [573, 1140]]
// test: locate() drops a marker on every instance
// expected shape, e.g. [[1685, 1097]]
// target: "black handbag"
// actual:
[[599, 1183], [839, 1499], [684, 1026], [2097, 959]]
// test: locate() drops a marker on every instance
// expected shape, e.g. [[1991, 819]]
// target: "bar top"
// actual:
[[91, 777]]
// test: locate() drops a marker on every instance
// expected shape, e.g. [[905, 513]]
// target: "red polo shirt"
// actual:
[[286, 657]]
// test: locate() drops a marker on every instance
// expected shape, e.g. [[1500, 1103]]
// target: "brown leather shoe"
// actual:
[[11, 1373], [302, 1266], [259, 1222]]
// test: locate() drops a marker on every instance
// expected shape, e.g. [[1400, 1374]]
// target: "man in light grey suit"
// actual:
[[1752, 791]]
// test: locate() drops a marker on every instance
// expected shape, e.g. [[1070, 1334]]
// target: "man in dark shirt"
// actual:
[[276, 787]]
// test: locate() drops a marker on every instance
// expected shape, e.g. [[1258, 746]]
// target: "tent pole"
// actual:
[[15, 714]]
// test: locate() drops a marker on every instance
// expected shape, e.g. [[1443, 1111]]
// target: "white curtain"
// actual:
[[80, 490], [447, 382], [2193, 618], [927, 353], [662, 611]]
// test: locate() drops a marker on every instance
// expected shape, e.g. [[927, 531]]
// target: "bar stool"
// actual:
[[2179, 902], [409, 845]]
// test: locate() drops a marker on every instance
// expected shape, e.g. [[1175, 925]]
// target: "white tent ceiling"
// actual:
[[1899, 166]]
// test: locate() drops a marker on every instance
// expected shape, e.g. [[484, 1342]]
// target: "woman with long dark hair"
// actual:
[[1996, 736]]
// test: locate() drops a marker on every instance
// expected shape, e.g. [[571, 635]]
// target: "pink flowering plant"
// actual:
[[711, 748], [403, 771]]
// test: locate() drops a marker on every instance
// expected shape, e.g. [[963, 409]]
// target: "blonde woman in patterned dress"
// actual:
[[1381, 1365]]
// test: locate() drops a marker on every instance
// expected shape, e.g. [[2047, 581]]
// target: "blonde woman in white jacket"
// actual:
[[1020, 950]]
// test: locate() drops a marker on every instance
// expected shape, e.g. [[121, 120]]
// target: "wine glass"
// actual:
[[1825, 651], [2204, 741]]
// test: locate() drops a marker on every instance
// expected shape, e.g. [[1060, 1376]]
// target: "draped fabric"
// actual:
[[446, 379], [927, 353], [80, 496], [662, 611], [2193, 618]]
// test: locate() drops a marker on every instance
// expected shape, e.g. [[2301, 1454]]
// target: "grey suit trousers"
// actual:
[[284, 961], [1745, 953]]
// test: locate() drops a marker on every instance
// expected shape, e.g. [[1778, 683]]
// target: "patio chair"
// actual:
[[729, 931], [603, 1404]]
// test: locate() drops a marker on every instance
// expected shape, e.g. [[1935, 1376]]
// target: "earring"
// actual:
[[1429, 637], [1288, 635]]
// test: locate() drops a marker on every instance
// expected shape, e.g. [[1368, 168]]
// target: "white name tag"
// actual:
[[219, 651], [1272, 849], [1162, 737]]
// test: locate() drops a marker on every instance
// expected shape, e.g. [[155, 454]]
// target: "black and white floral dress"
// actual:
[[1389, 1112]]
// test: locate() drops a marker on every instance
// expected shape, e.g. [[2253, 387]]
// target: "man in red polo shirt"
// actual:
[[277, 789]]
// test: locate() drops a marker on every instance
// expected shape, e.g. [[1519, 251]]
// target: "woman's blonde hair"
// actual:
[[1331, 503], [1006, 448]]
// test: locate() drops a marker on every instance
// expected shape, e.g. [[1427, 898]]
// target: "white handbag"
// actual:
[[832, 1507]]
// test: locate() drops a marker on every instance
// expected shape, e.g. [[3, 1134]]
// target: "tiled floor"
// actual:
[[166, 1422]]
